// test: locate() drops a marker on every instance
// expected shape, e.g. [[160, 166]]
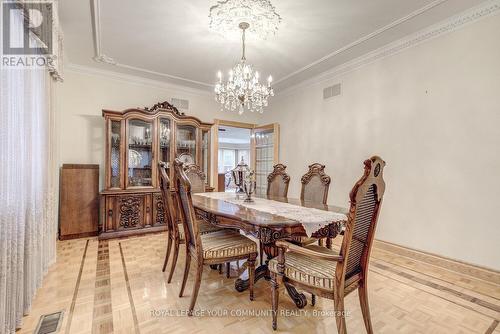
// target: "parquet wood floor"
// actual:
[[117, 286]]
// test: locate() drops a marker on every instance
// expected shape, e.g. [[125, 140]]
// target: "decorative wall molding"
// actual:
[[488, 8], [140, 69], [104, 59], [364, 38], [135, 80]]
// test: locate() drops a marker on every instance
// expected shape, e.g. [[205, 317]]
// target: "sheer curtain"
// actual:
[[28, 181]]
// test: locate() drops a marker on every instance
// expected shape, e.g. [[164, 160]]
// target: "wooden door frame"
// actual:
[[215, 146]]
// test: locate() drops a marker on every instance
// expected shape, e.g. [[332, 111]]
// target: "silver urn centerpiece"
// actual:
[[239, 173], [244, 179], [249, 185]]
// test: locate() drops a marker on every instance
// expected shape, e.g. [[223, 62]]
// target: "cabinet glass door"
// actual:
[[115, 154], [266, 143], [165, 136], [205, 154], [140, 153], [186, 143]]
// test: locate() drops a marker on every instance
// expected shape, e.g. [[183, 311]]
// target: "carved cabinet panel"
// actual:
[[125, 212], [159, 213], [131, 213]]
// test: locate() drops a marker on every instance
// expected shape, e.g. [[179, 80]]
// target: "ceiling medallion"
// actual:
[[243, 88], [261, 15]]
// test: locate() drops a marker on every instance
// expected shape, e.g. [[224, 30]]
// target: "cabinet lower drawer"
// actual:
[[122, 213]]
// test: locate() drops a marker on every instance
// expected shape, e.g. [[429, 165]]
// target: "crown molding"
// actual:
[[364, 38], [140, 69], [486, 9], [451, 24], [134, 79]]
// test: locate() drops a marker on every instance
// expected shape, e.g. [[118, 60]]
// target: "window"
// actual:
[[227, 160], [245, 154]]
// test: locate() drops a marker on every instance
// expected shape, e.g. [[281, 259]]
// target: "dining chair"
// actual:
[[218, 247], [277, 181], [329, 274], [175, 230], [277, 186], [196, 177], [315, 186]]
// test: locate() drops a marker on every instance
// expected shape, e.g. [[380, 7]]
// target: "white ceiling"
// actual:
[[171, 41], [232, 135]]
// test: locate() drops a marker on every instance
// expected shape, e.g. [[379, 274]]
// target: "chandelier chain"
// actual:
[[243, 42]]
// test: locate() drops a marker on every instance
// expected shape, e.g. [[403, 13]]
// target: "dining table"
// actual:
[[268, 219]]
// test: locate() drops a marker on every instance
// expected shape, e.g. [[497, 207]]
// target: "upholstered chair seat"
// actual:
[[226, 243], [205, 227], [311, 271], [303, 241]]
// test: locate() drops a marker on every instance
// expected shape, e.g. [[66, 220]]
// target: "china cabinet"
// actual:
[[136, 139]]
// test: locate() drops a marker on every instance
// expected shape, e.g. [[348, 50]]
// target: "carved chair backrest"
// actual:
[[315, 184], [196, 177], [168, 201], [187, 209], [366, 199], [277, 181]]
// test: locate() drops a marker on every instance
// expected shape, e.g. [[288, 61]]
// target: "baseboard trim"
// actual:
[[78, 235], [128, 233], [462, 267]]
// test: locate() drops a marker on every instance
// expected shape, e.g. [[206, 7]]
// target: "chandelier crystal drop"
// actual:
[[243, 88], [260, 14]]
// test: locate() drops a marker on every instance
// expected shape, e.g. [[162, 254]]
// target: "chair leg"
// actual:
[[251, 274], [196, 287], [329, 243], [261, 252], [365, 308], [228, 269], [167, 255], [340, 314], [275, 299], [174, 260], [186, 270]]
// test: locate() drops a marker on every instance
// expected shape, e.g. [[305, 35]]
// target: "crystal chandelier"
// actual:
[[243, 88], [260, 14]]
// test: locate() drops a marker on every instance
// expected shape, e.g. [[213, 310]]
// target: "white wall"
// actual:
[[432, 112], [84, 94]]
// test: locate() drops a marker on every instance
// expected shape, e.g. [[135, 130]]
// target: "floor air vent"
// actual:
[[49, 323]]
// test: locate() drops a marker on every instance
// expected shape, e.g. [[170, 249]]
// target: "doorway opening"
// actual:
[[258, 145], [234, 146]]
